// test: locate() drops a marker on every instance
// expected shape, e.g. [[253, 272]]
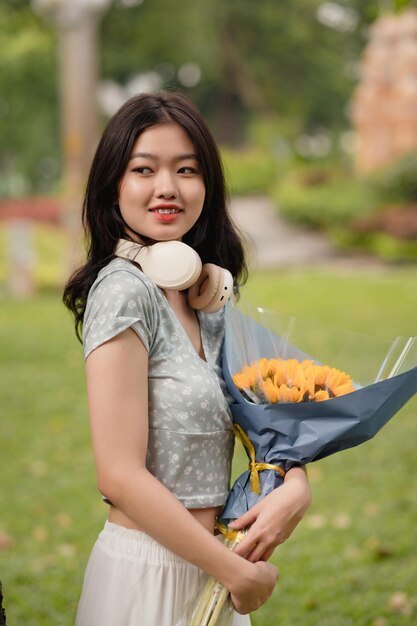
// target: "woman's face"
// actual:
[[161, 193]]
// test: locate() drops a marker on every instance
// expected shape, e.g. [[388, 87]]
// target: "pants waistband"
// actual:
[[138, 544]]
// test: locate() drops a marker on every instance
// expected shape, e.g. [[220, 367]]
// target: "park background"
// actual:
[[311, 121]]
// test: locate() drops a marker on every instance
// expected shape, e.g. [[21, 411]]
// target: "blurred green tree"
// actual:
[[29, 125], [255, 58], [293, 61]]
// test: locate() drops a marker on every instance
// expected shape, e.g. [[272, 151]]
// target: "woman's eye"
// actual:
[[143, 170], [187, 170]]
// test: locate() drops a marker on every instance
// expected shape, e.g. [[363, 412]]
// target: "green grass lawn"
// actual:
[[353, 559]]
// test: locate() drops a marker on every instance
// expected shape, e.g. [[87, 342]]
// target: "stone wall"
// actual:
[[384, 106]]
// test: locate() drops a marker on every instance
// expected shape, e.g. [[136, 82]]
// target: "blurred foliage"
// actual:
[[356, 211], [256, 58], [396, 6], [400, 5], [252, 171], [324, 204], [383, 245], [398, 181], [270, 60], [29, 125], [49, 262], [270, 72]]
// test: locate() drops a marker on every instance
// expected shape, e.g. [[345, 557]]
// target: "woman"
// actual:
[[160, 423]]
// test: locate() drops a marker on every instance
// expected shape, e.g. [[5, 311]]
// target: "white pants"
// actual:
[[131, 580]]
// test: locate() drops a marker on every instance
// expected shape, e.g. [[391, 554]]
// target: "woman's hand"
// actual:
[[273, 519], [253, 586]]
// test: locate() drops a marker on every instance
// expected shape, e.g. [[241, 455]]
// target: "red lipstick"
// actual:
[[166, 212]]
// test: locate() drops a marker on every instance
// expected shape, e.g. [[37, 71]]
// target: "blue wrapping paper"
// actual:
[[288, 434]]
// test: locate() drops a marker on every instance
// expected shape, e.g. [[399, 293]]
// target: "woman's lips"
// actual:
[[166, 213]]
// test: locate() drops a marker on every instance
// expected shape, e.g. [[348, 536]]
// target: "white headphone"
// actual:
[[175, 266]]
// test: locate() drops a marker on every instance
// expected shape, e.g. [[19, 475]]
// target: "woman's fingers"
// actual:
[[244, 520], [258, 552], [245, 547], [256, 546], [267, 554], [255, 551]]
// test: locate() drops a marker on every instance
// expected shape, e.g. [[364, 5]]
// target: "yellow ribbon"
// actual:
[[232, 536], [254, 467], [229, 533]]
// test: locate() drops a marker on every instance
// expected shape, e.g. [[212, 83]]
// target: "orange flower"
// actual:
[[269, 390], [342, 390], [280, 377], [290, 394], [321, 395], [321, 373], [250, 376], [289, 380]]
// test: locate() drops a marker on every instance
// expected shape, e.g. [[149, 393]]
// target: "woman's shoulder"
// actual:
[[122, 269], [120, 277], [120, 297], [121, 285]]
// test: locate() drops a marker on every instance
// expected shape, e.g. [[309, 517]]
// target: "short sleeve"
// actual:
[[117, 301]]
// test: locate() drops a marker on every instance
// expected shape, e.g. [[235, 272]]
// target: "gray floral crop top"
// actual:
[[191, 439]]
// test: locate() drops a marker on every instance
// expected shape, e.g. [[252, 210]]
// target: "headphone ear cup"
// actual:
[[170, 264], [212, 289]]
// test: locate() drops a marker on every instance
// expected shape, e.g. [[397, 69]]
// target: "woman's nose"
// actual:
[[166, 186]]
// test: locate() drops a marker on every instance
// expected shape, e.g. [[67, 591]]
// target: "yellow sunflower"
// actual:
[[289, 380]]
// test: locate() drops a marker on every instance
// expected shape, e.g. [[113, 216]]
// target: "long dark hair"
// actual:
[[213, 236]]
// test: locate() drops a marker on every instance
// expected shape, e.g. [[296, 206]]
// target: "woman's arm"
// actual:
[[274, 518], [117, 385]]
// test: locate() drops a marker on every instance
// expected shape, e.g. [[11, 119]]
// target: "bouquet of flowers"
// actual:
[[290, 408]]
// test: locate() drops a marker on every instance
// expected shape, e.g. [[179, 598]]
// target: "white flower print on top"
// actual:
[[190, 442]]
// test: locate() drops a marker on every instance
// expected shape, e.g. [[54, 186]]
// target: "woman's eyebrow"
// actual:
[[148, 155], [184, 157]]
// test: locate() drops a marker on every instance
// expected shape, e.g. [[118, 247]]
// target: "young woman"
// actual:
[[161, 427]]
